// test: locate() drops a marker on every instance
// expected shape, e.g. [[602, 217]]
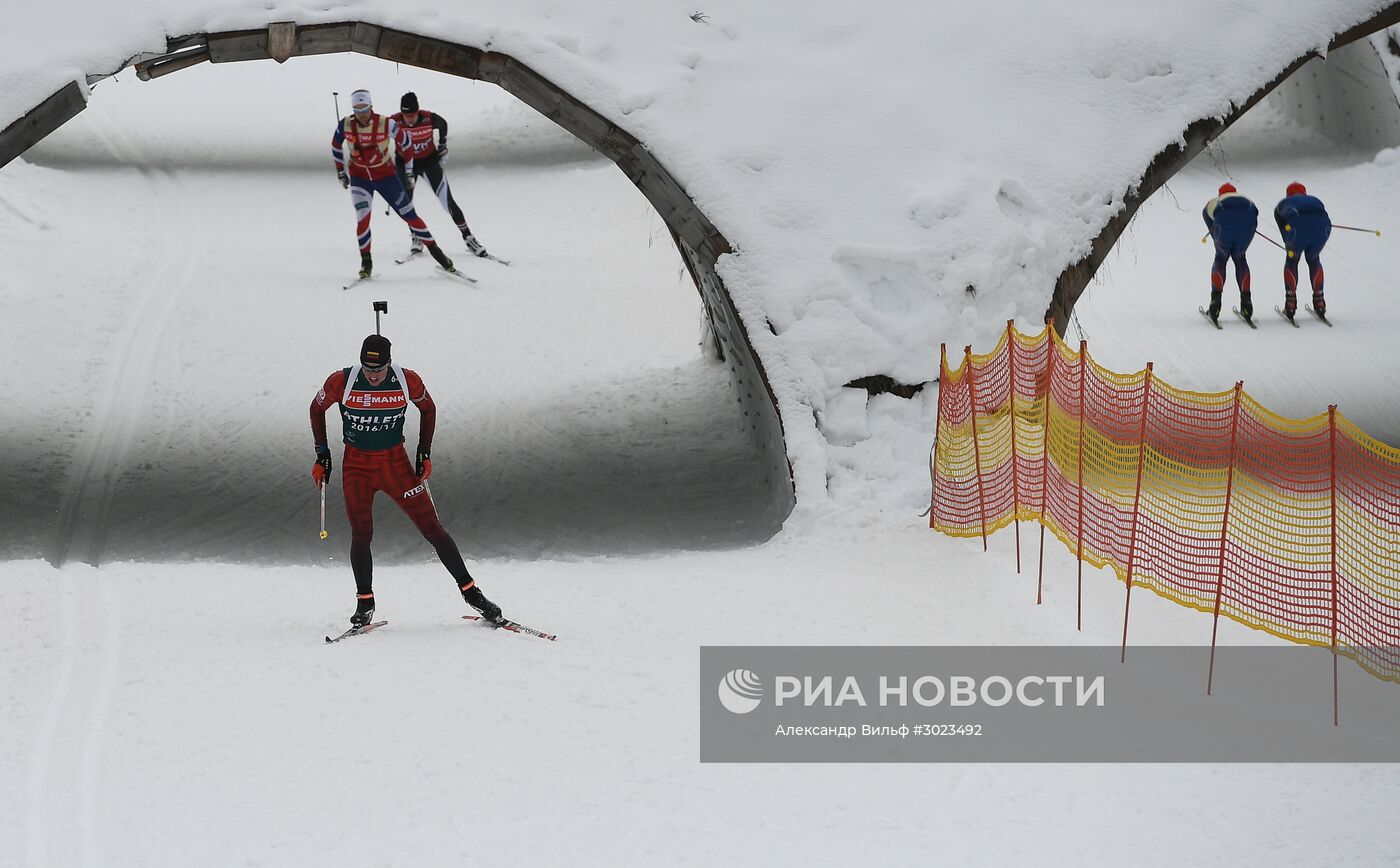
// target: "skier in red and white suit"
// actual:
[[373, 397], [427, 155], [363, 148]]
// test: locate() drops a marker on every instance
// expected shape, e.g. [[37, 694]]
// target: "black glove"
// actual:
[[423, 466], [344, 178], [321, 470], [442, 154]]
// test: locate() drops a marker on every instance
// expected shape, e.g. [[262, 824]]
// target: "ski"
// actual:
[[1215, 323], [1321, 316], [1247, 319], [356, 631], [412, 254], [455, 273], [494, 258], [1278, 310], [356, 282], [514, 627]]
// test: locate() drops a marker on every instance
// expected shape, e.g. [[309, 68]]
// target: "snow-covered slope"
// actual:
[[869, 166]]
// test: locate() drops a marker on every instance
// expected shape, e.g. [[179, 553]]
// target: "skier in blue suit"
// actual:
[[1305, 226], [1232, 220]]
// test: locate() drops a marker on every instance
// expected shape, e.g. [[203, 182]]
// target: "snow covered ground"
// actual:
[[174, 322]]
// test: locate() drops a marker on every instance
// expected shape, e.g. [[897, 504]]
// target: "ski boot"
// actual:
[[366, 265], [1214, 313], [474, 247], [364, 610], [437, 254], [416, 247], [490, 612]]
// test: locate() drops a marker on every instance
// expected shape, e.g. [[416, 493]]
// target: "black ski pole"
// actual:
[[335, 94], [1270, 240]]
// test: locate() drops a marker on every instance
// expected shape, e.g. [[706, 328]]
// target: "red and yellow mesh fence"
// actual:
[[1207, 499]]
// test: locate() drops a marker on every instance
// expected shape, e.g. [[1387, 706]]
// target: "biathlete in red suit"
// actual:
[[363, 148], [373, 397], [427, 154]]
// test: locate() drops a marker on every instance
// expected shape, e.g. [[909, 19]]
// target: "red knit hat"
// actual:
[[1297, 189], [1226, 187]]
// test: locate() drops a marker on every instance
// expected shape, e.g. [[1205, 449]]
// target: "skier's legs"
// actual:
[[410, 185], [362, 196], [411, 494], [433, 170], [1314, 257], [359, 480], [393, 192], [1290, 283], [1242, 280], [1217, 278]]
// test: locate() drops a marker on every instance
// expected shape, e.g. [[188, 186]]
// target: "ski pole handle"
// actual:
[[323, 511]]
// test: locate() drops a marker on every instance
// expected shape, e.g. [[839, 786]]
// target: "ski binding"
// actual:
[[1249, 320]]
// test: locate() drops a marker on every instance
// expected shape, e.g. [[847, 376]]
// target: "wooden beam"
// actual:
[[428, 53], [364, 38], [542, 95], [158, 66], [281, 40], [41, 120], [234, 46]]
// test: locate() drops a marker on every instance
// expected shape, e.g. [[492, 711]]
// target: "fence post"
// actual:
[[1079, 530], [1332, 477], [1045, 449], [937, 428], [1224, 529], [1015, 464], [1137, 497], [976, 448]]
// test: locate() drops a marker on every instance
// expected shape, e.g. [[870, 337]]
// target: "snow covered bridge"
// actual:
[[837, 226]]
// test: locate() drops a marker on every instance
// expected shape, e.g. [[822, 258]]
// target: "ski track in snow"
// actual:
[[85, 509], [42, 774], [64, 783]]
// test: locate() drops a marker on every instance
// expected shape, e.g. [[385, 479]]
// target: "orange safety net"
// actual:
[[1207, 499]]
